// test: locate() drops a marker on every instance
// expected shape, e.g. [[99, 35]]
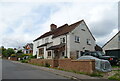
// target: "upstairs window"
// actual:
[[46, 40], [62, 40], [38, 43], [77, 39], [118, 38], [88, 41]]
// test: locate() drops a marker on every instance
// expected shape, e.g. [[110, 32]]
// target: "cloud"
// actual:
[[22, 22]]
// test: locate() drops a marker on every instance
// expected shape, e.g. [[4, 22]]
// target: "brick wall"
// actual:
[[13, 58], [87, 66], [53, 63]]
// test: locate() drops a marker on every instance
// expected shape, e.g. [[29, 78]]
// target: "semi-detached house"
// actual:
[[66, 41]]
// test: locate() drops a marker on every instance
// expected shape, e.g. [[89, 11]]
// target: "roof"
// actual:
[[30, 44], [62, 30], [56, 46], [111, 39], [44, 44], [98, 48]]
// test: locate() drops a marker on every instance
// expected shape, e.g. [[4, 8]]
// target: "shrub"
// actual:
[[47, 65], [24, 61], [115, 77], [13, 55], [65, 57]]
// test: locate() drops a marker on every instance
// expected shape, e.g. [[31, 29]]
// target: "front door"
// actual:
[[57, 56]]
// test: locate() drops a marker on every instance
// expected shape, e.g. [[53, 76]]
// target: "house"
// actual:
[[28, 48], [98, 48], [66, 41], [112, 47]]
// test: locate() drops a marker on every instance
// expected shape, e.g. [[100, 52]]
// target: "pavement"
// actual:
[[66, 74]]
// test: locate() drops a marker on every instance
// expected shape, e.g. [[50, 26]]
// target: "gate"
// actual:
[[113, 52]]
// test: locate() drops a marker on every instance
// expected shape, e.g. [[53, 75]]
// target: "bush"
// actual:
[[47, 65], [24, 61], [13, 55], [115, 77], [65, 57]]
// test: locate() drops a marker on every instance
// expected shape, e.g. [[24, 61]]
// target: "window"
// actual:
[[49, 53], [83, 29], [63, 53], [62, 40], [46, 40], [119, 38], [41, 51], [38, 43], [88, 41], [77, 39]]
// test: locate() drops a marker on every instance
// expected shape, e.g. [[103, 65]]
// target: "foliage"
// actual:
[[31, 56], [22, 55], [115, 77], [97, 74], [115, 66], [47, 65], [19, 51], [24, 61], [65, 57], [7, 52], [13, 55]]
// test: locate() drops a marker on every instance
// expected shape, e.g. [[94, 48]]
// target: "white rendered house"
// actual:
[[64, 41], [112, 47]]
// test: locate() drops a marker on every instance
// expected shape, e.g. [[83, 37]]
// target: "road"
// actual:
[[13, 70], [0, 69]]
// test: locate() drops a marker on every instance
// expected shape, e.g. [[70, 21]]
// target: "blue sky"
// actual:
[[22, 22]]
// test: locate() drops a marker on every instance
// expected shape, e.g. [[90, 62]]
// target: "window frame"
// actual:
[[46, 40], [119, 38], [62, 40], [49, 54], [89, 42], [77, 39]]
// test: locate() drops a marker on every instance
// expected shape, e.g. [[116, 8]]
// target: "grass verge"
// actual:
[[115, 77]]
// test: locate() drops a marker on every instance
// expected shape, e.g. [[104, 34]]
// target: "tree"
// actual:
[[10, 51], [19, 51], [7, 52]]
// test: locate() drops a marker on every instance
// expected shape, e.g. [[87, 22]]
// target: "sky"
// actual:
[[22, 21]]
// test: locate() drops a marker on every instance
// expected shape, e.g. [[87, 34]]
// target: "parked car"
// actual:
[[112, 59], [100, 65]]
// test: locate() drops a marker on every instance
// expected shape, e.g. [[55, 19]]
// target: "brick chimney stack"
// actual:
[[53, 27]]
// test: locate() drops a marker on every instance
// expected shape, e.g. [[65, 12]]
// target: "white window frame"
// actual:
[[118, 38], [77, 39], [46, 40], [61, 40], [89, 42]]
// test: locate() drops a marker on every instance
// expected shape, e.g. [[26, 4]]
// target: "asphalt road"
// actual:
[[12, 70], [0, 69]]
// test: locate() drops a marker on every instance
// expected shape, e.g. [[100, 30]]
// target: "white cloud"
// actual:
[[102, 40], [20, 17]]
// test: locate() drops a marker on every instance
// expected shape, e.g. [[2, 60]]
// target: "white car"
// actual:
[[100, 65]]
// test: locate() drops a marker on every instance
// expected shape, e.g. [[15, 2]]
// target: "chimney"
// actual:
[[53, 27]]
